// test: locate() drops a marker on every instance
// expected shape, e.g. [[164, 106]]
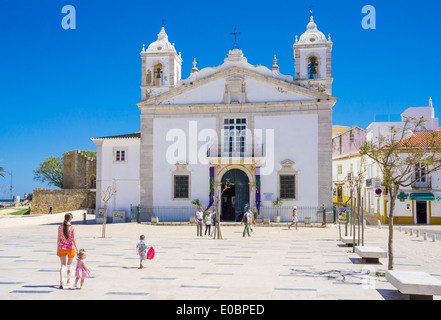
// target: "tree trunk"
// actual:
[[217, 230], [358, 211], [393, 197], [104, 220]]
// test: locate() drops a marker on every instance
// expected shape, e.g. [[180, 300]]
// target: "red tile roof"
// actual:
[[429, 139]]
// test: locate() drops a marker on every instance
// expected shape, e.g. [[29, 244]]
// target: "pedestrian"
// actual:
[[141, 250], [50, 210], [82, 271], [247, 226], [250, 219], [66, 247], [295, 220], [207, 220], [199, 219]]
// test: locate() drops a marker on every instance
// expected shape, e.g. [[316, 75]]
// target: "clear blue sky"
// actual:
[[59, 88]]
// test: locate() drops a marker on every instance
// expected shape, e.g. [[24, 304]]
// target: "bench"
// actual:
[[418, 285], [348, 240], [371, 254]]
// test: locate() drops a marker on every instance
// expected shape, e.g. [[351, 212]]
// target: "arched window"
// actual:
[[158, 74], [312, 67]]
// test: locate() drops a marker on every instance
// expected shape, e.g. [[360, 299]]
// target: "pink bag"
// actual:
[[150, 253]]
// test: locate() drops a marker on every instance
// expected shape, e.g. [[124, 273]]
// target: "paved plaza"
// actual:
[[275, 263]]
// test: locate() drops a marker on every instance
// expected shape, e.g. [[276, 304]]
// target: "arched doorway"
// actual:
[[236, 197]]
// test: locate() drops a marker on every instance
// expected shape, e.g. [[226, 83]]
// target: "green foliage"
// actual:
[[278, 203], [196, 203], [50, 171]]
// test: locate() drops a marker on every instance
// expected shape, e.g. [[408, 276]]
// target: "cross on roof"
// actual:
[[235, 37]]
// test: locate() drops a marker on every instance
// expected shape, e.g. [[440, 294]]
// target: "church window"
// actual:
[[181, 187], [234, 135], [158, 74], [339, 169], [312, 67], [120, 155], [287, 186]]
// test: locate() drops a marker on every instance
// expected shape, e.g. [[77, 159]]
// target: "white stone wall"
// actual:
[[123, 176], [163, 165], [296, 139]]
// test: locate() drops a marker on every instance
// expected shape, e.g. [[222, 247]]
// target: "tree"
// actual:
[[277, 204], [196, 203], [106, 195], [50, 171], [397, 154], [217, 196], [2, 172]]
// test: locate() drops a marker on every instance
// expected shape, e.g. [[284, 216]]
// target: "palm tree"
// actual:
[[277, 204], [196, 203], [2, 172]]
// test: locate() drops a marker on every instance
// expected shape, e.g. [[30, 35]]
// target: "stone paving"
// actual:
[[275, 263]]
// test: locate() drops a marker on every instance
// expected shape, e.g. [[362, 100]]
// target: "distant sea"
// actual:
[[9, 200]]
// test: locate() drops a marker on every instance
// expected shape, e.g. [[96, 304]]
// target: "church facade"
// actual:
[[263, 134]]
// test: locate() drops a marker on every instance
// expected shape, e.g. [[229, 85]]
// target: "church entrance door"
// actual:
[[236, 197]]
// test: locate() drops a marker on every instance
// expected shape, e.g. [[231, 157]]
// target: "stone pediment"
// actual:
[[236, 85]]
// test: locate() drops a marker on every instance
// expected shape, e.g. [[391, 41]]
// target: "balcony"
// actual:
[[235, 154]]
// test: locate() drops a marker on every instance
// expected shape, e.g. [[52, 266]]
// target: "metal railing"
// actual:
[[304, 213], [182, 214], [165, 214], [235, 150]]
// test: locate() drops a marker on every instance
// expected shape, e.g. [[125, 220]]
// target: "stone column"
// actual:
[[146, 161]]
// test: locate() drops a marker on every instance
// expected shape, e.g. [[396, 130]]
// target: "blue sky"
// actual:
[[59, 88]]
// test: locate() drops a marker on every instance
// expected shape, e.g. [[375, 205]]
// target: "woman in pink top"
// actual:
[[66, 246]]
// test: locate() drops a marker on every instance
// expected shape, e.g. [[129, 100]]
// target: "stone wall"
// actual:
[[62, 200], [79, 171]]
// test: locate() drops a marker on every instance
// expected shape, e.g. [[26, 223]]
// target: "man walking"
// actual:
[[247, 226]]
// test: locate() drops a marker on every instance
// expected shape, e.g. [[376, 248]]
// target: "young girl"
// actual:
[[141, 250], [66, 247], [82, 271]]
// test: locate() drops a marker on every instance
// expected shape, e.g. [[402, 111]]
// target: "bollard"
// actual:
[[399, 228], [434, 238], [411, 232], [425, 235], [418, 233], [379, 224], [405, 231]]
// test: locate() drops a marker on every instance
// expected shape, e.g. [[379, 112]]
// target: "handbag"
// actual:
[[150, 253]]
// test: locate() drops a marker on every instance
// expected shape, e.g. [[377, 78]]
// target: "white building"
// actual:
[[421, 202], [266, 133], [347, 164]]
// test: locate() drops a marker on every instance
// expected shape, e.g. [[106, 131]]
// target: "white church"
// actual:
[[264, 134]]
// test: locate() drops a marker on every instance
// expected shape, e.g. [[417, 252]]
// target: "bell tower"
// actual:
[[161, 67], [313, 61]]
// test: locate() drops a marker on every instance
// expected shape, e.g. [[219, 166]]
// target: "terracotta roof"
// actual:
[[347, 156], [136, 135], [422, 139]]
